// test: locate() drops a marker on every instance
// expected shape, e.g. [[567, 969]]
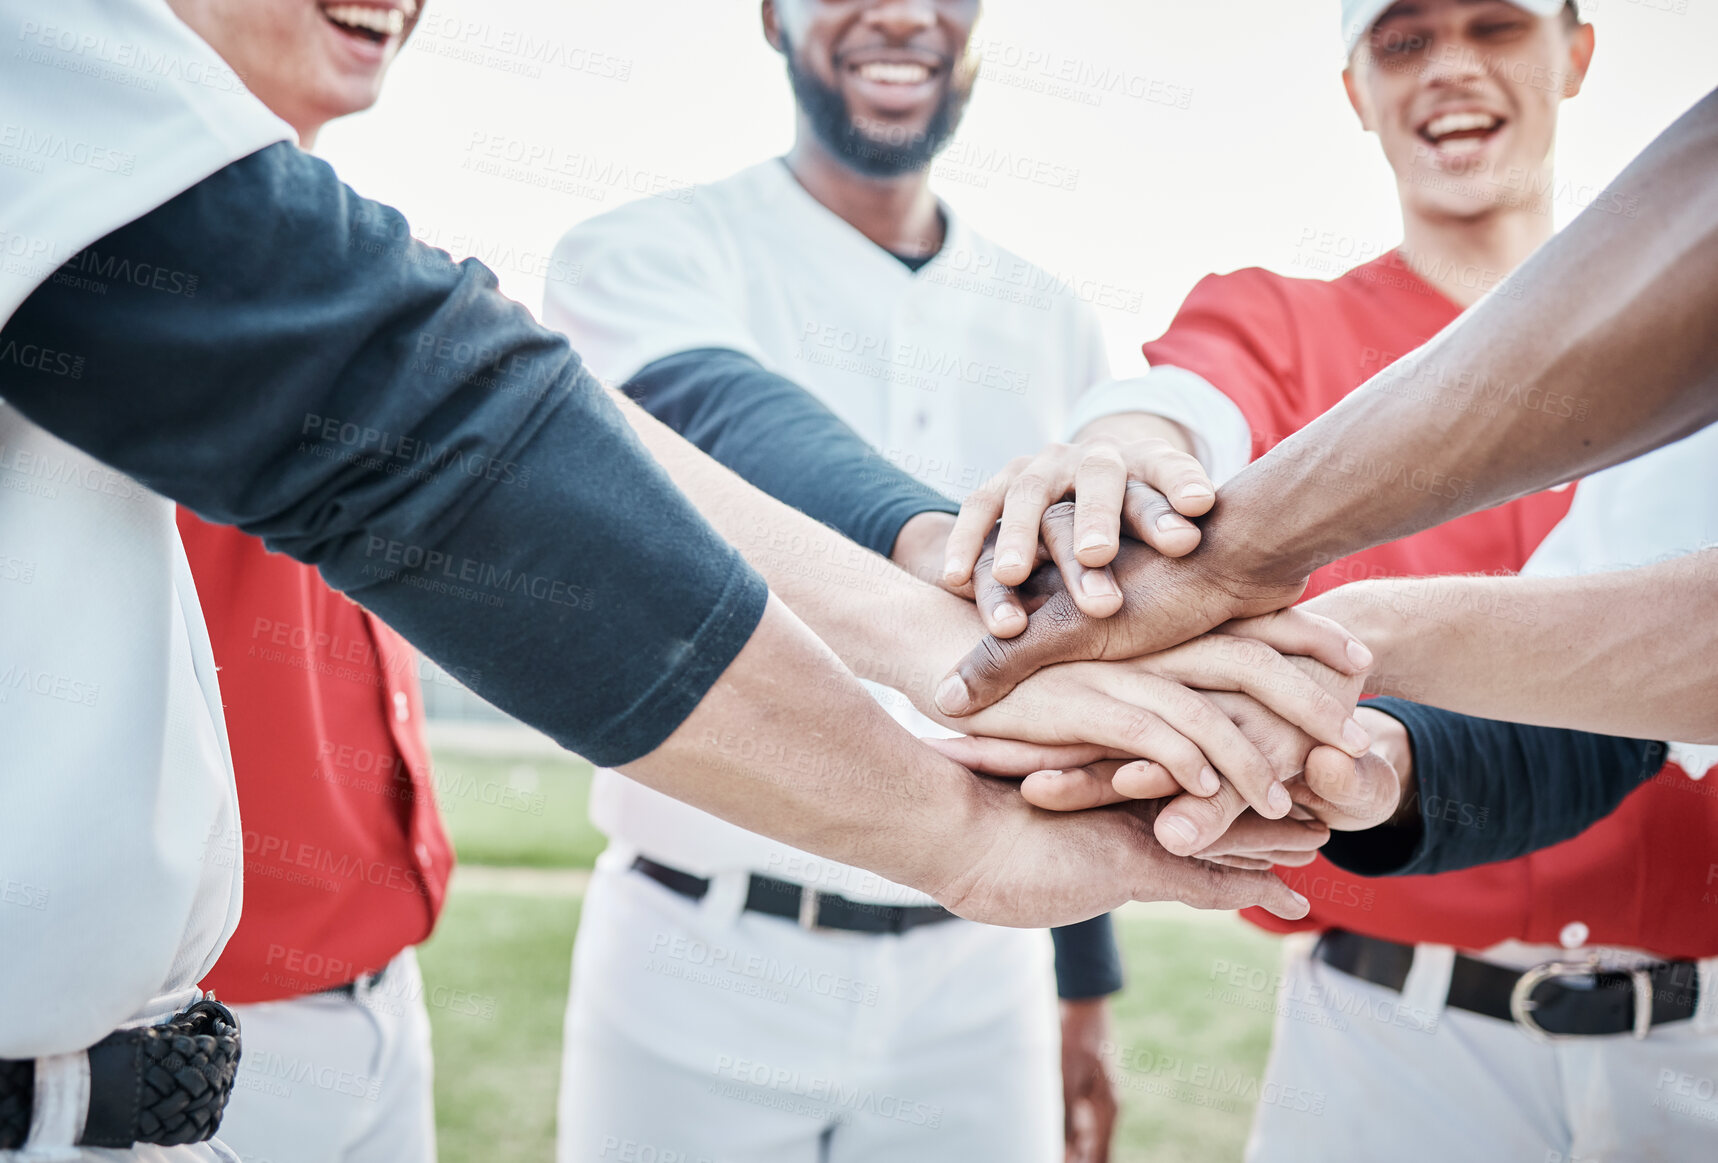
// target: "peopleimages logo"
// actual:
[[481, 574], [48, 360]]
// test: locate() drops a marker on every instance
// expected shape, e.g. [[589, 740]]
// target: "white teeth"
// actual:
[[1462, 145], [1448, 123], [894, 73], [385, 21]]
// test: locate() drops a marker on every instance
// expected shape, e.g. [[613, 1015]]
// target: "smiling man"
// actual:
[[836, 268], [1463, 96]]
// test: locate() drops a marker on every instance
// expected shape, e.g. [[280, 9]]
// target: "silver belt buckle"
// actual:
[[1522, 1005], [808, 908]]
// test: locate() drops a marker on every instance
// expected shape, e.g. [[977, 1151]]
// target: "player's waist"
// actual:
[[1574, 992], [641, 822], [164, 1077]]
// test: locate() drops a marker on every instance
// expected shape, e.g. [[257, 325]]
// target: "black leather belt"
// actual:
[[165, 1084], [1556, 999], [812, 909], [349, 989]]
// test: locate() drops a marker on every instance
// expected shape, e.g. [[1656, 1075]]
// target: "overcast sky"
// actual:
[[1131, 145]]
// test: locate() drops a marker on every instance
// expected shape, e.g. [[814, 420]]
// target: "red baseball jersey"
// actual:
[[1285, 350], [346, 860]]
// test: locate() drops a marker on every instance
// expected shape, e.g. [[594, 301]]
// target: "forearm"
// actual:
[[854, 786], [1628, 652], [1607, 352], [886, 625]]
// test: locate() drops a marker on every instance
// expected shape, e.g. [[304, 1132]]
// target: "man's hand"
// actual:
[[1013, 864], [1145, 489], [1088, 1097], [1003, 608], [1335, 791], [1166, 601], [1163, 708]]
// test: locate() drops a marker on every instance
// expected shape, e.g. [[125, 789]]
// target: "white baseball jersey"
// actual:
[[951, 371], [119, 881]]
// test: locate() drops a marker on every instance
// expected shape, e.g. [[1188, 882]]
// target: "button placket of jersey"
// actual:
[[920, 419]]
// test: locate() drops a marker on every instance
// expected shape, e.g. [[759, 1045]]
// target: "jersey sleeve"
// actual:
[[1235, 333], [368, 406], [1490, 790], [782, 440], [648, 280]]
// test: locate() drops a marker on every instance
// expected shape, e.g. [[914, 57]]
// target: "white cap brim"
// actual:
[[1358, 16]]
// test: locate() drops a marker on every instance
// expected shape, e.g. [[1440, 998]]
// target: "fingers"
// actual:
[[1222, 662], [1350, 794], [1094, 590], [1295, 631], [1189, 824], [1099, 484], [1205, 885], [1261, 839], [1033, 491], [1057, 632], [1136, 730], [1193, 716], [998, 605], [1268, 860], [1284, 745], [1176, 475], [1073, 789], [972, 527], [1148, 516], [1239, 862], [1095, 785], [1222, 825], [1144, 780], [1011, 757]]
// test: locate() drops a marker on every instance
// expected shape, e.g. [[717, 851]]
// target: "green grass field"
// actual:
[[1187, 1065]]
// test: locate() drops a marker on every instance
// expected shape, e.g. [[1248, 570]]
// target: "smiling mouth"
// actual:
[[1460, 133], [903, 67], [367, 22]]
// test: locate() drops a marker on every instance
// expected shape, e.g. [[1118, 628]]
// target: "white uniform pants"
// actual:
[[1377, 1074], [697, 1033], [327, 1078]]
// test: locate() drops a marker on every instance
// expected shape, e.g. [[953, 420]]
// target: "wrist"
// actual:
[[945, 853], [920, 545], [1233, 571], [1250, 537], [1365, 610]]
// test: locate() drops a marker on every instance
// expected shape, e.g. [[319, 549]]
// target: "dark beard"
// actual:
[[897, 151]]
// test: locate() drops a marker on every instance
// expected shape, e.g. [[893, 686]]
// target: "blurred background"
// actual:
[[1126, 146]]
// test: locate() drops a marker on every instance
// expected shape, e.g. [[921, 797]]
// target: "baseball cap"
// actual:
[[1358, 16]]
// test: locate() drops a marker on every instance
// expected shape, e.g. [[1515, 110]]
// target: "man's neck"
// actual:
[[899, 214], [1466, 257]]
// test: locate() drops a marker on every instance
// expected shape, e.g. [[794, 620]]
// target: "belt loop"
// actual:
[[1706, 1008], [808, 908], [726, 900], [1427, 988], [61, 1104]]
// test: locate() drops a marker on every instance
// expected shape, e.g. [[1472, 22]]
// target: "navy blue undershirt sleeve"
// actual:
[[279, 354], [1088, 961], [781, 439], [1490, 790]]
